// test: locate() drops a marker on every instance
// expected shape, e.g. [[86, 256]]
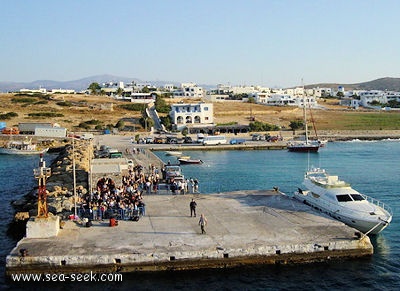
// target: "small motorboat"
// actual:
[[173, 153], [184, 161]]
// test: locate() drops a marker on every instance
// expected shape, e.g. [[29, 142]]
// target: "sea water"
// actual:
[[370, 167]]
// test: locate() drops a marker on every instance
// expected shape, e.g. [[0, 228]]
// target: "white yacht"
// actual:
[[336, 198]]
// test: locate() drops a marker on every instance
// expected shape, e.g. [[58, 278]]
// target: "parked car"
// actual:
[[274, 138], [257, 136], [172, 140], [187, 139], [159, 140], [237, 141], [149, 139]]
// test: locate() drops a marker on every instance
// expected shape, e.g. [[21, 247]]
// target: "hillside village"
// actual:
[[145, 92], [194, 108]]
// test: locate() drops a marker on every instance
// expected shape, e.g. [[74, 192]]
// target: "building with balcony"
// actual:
[[191, 115]]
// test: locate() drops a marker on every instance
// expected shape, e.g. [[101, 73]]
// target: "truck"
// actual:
[[51, 131], [29, 127]]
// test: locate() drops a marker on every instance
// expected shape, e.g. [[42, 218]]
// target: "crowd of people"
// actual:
[[125, 201], [122, 202]]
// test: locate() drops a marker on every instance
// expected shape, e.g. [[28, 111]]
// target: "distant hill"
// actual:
[[390, 84], [77, 85]]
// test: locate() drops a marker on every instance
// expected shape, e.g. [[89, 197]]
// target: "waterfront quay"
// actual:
[[244, 227]]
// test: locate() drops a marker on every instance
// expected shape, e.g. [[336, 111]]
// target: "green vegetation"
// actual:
[[162, 106], [166, 120], [89, 123], [296, 124], [251, 100], [370, 120], [41, 102], [120, 124], [45, 114], [8, 115], [260, 126], [37, 95], [227, 123], [24, 100], [94, 88], [64, 103], [146, 123], [132, 107]]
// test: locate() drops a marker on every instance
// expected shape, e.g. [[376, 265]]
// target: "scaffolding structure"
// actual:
[[41, 173]]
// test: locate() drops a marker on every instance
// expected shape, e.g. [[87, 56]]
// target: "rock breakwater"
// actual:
[[59, 186]]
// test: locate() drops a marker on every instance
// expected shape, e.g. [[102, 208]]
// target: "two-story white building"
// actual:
[[189, 90], [192, 115]]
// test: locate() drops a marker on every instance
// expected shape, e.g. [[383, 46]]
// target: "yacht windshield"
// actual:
[[344, 198], [357, 197]]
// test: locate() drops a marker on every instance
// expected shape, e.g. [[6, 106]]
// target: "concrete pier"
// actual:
[[244, 227]]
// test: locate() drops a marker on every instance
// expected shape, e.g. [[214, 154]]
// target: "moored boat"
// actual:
[[21, 148], [189, 161], [336, 198], [173, 153], [303, 146]]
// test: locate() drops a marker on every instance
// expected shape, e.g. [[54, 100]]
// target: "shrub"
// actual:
[[24, 100], [8, 115], [64, 103], [41, 102], [45, 114], [132, 107], [259, 126]]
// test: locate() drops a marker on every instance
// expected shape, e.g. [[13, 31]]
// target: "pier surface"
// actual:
[[244, 227]]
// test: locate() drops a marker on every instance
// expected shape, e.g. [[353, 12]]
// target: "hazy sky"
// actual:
[[272, 43]]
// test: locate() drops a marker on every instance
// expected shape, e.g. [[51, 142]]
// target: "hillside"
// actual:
[[390, 84], [71, 110]]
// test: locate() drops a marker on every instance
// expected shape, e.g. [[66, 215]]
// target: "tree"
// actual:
[[251, 100], [162, 106], [296, 124], [340, 94], [120, 124], [94, 88], [119, 91]]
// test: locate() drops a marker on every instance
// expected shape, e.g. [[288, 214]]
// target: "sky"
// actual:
[[272, 43]]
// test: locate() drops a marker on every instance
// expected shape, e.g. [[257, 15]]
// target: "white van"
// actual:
[[214, 140], [200, 138]]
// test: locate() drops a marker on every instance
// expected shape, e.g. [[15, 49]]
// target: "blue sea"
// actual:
[[372, 168]]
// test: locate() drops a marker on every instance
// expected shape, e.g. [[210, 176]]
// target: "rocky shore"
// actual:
[[60, 186]]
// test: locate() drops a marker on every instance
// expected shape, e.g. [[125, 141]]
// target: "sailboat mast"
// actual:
[[305, 111]]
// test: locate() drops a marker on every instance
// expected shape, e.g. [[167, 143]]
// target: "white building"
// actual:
[[169, 87], [183, 115], [368, 97], [285, 100], [189, 90]]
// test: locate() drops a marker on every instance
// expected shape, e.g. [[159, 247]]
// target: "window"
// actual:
[[343, 198], [357, 197], [205, 108]]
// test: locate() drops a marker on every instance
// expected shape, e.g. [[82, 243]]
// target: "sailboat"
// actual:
[[304, 145]]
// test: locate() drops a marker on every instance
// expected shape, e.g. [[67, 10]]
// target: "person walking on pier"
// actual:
[[193, 205], [202, 223]]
